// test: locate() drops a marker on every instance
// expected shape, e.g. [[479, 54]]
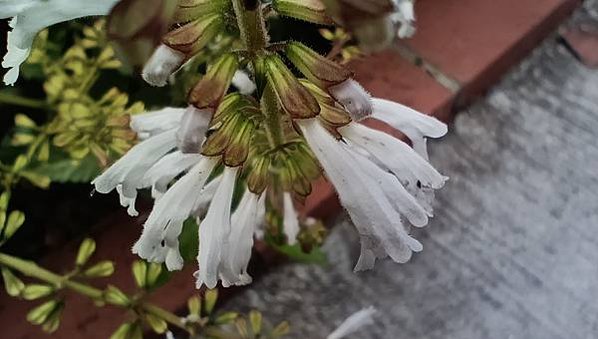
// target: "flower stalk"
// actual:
[[32, 270]]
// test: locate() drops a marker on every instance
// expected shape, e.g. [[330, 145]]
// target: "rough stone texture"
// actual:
[[513, 249]]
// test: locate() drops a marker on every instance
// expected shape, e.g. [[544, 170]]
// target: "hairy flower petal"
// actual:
[[290, 220], [155, 122]]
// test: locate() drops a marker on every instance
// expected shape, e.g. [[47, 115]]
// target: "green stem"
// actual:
[[272, 118], [32, 270], [251, 26], [17, 100]]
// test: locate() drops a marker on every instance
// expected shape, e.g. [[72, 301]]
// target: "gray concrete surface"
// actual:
[[513, 250]]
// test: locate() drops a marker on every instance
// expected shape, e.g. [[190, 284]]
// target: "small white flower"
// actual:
[[126, 175], [163, 63], [159, 240], [290, 219], [30, 17], [404, 16], [244, 84], [354, 323], [372, 187], [355, 99], [214, 230], [238, 246], [193, 128]]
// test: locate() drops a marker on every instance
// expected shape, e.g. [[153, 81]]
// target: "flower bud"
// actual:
[[295, 99], [190, 38], [213, 86], [192, 132], [354, 98], [308, 10], [318, 69], [163, 62]]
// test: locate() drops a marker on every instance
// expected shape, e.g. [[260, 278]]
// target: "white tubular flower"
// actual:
[[159, 241], [415, 125], [404, 16], [151, 123], [290, 220], [375, 199], [355, 99], [214, 230], [30, 17], [238, 246], [163, 63], [126, 175], [193, 128], [207, 194], [244, 84], [166, 169], [354, 323]]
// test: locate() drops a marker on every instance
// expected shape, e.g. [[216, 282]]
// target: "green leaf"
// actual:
[[87, 248], [189, 240], [69, 170], [36, 291], [295, 252], [13, 223], [12, 284], [102, 269], [139, 269]]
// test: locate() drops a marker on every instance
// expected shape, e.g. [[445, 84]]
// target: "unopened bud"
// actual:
[[163, 62], [356, 100], [308, 10], [244, 84], [192, 132]]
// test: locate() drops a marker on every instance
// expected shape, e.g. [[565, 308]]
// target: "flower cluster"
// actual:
[[269, 142]]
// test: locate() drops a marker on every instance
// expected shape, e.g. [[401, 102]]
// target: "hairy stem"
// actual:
[[32, 270]]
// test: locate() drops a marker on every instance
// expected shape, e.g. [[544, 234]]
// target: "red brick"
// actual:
[[477, 41]]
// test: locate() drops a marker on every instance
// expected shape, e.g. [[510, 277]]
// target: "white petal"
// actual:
[[159, 239], [214, 230], [35, 16], [360, 193], [207, 194], [129, 170], [151, 123], [354, 322], [415, 125], [354, 97], [239, 244], [290, 220], [163, 62], [193, 128], [242, 81], [10, 8], [166, 169], [395, 155]]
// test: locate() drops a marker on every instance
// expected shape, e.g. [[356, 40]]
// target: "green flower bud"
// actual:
[[41, 313], [308, 10], [139, 269], [12, 284], [189, 10], [114, 296], [86, 249], [294, 98], [36, 291], [318, 69], [208, 92], [100, 270]]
